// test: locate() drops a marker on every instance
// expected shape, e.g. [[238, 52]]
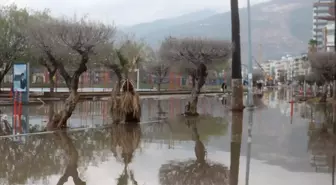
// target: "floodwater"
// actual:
[[287, 146]]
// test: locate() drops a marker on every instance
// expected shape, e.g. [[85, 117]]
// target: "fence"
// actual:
[[106, 79], [91, 113]]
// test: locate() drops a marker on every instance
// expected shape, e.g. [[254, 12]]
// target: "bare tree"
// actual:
[[324, 63], [68, 45], [257, 75], [160, 71], [194, 55], [313, 78], [35, 55], [12, 41], [300, 79], [156, 67]]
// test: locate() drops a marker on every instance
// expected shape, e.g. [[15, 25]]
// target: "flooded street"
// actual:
[[289, 145]]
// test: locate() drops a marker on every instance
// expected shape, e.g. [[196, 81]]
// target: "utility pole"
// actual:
[[250, 93], [334, 121]]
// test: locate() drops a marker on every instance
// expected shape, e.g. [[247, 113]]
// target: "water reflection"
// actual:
[[72, 156], [194, 172], [282, 153], [95, 113], [125, 140], [236, 138]]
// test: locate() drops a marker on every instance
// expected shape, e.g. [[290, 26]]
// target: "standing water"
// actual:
[[167, 148]]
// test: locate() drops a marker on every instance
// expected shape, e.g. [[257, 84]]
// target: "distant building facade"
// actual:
[[288, 66], [322, 10]]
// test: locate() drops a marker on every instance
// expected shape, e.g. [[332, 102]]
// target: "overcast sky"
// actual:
[[125, 12]]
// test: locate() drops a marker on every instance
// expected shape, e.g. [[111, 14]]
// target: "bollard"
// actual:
[[20, 110], [14, 111]]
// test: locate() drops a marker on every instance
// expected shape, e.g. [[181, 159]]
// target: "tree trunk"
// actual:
[[51, 74], [191, 107], [237, 87], [118, 85], [60, 119], [2, 76], [69, 107], [160, 110], [334, 89], [330, 90], [324, 93], [51, 114], [236, 136], [159, 88], [3, 73], [200, 151], [52, 83]]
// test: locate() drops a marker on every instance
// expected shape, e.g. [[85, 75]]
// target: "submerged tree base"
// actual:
[[191, 114], [59, 120], [191, 110], [125, 108], [323, 99]]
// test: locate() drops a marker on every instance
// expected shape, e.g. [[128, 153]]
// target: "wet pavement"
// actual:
[[169, 149]]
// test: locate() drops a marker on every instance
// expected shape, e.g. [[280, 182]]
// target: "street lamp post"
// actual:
[[334, 124], [250, 92]]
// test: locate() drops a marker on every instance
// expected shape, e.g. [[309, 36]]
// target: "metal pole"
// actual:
[[304, 87], [250, 93], [249, 146], [334, 122], [250, 81], [138, 79]]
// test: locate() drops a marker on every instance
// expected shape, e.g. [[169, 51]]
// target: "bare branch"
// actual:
[[69, 44], [12, 40], [195, 50]]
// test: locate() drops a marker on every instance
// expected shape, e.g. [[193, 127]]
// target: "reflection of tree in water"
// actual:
[[161, 114], [322, 140], [176, 130], [258, 102], [125, 140], [199, 171], [40, 156], [282, 94], [28, 160], [72, 154]]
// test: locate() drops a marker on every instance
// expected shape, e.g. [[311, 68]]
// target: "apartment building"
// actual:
[[288, 65], [321, 12]]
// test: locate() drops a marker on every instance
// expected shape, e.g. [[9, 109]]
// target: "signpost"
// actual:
[[20, 89]]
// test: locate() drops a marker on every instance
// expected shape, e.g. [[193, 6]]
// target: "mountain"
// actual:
[[144, 28], [279, 27]]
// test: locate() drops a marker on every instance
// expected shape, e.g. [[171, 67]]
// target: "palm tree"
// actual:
[[237, 87], [125, 106], [312, 45], [124, 59]]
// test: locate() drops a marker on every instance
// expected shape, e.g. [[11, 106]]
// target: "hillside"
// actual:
[[279, 26], [144, 28]]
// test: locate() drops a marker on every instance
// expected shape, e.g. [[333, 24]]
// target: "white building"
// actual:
[[329, 36], [320, 10], [291, 66]]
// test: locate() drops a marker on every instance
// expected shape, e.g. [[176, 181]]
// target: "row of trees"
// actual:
[[71, 46], [323, 72]]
